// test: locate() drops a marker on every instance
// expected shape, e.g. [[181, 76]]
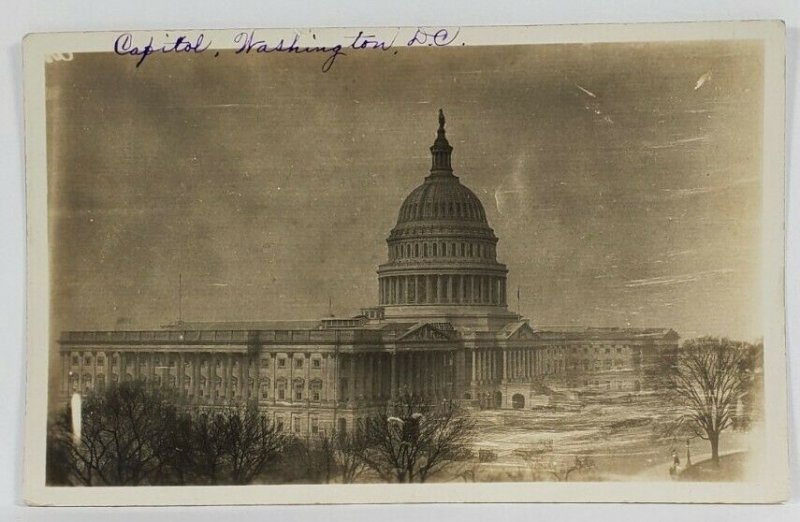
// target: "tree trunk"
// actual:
[[713, 438]]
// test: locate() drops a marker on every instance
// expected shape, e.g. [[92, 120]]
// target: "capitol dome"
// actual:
[[442, 262], [441, 197]]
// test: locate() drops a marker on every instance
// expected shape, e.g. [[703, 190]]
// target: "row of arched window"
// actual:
[[88, 383], [441, 249], [442, 209]]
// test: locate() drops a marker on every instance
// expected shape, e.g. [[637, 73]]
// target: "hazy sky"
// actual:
[[623, 180]]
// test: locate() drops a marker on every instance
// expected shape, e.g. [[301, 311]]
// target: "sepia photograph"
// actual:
[[457, 257]]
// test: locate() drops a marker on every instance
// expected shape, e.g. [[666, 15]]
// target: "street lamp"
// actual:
[[688, 455]]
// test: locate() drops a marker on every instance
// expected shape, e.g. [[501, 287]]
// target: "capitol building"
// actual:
[[441, 329]]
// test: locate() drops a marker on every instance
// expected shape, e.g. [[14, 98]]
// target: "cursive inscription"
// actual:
[[124, 45], [247, 42]]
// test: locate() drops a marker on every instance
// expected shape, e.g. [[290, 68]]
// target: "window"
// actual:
[[75, 360], [264, 391], [619, 350], [281, 389], [315, 363], [298, 363], [265, 363], [316, 389], [296, 423], [314, 425], [298, 389], [88, 360], [281, 363], [608, 350], [101, 360], [279, 424], [172, 363]]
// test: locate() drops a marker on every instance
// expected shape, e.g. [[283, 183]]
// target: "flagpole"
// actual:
[[180, 297]]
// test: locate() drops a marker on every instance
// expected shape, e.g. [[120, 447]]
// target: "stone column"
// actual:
[[474, 367], [394, 376], [179, 374], [107, 368], [352, 383], [195, 375], [243, 377], [451, 294]]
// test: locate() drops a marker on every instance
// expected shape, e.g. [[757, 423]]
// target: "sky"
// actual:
[[623, 180]]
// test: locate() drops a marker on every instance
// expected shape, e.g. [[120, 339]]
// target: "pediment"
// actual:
[[520, 331], [424, 332]]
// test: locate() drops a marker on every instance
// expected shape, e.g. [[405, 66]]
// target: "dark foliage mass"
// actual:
[[133, 435]]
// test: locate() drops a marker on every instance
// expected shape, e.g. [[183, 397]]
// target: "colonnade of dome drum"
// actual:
[[465, 289]]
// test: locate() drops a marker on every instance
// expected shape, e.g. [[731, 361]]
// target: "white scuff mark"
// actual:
[[694, 191], [702, 80], [680, 253], [677, 279], [219, 284], [590, 93], [675, 143], [75, 405]]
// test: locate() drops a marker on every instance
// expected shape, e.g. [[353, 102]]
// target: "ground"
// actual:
[[615, 438]]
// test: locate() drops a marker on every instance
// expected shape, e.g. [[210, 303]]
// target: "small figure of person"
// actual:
[[676, 460]]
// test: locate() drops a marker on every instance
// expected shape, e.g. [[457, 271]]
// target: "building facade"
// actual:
[[441, 330]]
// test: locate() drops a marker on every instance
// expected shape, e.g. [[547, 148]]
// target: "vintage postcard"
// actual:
[[428, 264]]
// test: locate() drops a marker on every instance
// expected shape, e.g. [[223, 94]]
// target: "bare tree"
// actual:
[[124, 437], [249, 442], [207, 451], [709, 378], [348, 451], [412, 440]]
